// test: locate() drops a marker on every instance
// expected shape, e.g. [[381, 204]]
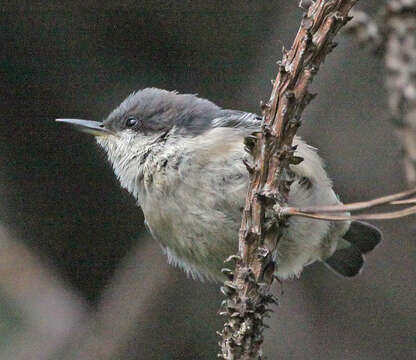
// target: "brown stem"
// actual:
[[248, 294]]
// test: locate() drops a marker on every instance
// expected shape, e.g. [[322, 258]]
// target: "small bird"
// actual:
[[181, 157]]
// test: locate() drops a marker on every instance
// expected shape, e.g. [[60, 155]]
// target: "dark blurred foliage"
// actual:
[[81, 58]]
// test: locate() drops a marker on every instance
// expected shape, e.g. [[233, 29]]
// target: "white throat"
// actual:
[[129, 153]]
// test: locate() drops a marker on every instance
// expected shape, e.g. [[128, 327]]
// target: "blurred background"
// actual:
[[79, 276]]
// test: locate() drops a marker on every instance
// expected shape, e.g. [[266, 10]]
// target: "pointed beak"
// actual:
[[90, 127]]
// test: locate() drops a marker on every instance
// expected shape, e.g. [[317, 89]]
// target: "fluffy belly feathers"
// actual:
[[197, 223]]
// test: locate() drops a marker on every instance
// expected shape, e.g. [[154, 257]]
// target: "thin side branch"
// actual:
[[323, 212], [362, 205], [381, 216], [403, 202]]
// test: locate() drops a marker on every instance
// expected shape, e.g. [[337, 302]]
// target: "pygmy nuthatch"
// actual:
[[181, 157]]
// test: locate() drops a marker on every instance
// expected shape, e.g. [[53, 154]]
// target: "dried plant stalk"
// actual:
[[393, 30], [400, 61], [247, 291]]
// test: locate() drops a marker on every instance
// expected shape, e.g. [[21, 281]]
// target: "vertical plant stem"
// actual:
[[248, 291]]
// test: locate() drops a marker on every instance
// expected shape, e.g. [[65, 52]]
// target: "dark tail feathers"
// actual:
[[348, 259], [364, 236]]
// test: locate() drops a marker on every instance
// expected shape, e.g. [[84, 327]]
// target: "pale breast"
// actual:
[[194, 199], [193, 205]]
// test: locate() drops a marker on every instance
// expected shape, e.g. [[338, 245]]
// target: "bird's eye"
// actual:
[[131, 121]]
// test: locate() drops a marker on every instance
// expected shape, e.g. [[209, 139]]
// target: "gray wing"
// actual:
[[237, 119], [215, 159]]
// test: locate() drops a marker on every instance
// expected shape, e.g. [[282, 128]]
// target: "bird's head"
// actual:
[[148, 114], [143, 123]]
